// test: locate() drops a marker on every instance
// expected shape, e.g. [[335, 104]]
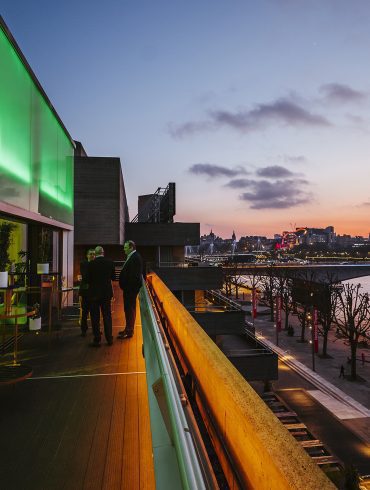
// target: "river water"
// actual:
[[364, 281]]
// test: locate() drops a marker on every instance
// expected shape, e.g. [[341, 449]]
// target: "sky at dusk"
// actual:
[[258, 110]]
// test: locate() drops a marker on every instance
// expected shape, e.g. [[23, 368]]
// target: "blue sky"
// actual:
[[259, 111]]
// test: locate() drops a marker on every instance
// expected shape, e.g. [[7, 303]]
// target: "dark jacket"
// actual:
[[84, 285], [130, 278], [100, 274]]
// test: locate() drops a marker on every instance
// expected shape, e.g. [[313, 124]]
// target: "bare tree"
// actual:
[[352, 316], [253, 281], [230, 280], [303, 320], [326, 314], [284, 289], [269, 286]]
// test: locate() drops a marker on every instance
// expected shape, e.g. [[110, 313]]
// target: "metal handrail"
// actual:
[[190, 471]]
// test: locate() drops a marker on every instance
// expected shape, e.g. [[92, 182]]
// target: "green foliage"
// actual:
[[6, 230]]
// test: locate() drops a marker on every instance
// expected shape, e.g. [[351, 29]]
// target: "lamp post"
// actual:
[[278, 318], [310, 318]]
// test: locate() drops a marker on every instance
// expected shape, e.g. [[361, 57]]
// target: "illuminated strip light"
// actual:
[[34, 378], [16, 168], [58, 196]]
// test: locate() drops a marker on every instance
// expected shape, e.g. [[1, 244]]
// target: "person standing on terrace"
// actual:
[[100, 274], [130, 281], [84, 291]]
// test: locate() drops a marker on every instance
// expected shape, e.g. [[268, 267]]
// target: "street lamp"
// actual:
[[310, 318]]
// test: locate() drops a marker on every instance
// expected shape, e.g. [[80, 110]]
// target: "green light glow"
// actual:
[[55, 194], [15, 167], [36, 155]]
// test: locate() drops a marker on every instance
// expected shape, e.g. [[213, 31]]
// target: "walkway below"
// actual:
[[82, 420]]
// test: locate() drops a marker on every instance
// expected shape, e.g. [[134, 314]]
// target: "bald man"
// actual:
[[100, 275]]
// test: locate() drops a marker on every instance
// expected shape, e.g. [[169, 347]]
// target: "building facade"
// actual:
[[36, 167]]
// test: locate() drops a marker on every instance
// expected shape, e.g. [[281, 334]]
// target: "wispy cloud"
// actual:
[[189, 128], [274, 171], [281, 110], [210, 170], [280, 194], [337, 92], [365, 204], [295, 159], [284, 111], [239, 183]]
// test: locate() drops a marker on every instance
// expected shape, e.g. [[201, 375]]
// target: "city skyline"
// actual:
[[259, 112]]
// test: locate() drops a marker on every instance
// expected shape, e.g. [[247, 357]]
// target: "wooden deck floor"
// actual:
[[82, 420]]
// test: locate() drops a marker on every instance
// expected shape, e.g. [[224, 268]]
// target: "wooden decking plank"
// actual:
[[46, 443], [311, 443], [72, 457], [113, 465], [146, 463], [98, 453], [130, 461], [283, 415], [131, 454]]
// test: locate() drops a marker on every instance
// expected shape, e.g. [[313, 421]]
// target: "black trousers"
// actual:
[[85, 310], [103, 306], [129, 306]]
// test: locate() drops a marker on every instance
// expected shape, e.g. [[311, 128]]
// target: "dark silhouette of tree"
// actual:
[[326, 310], [284, 289], [270, 288], [352, 317], [253, 282], [303, 320]]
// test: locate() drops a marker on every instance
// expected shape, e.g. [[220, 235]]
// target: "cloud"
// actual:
[[239, 183], [283, 111], [210, 170], [336, 92], [189, 128], [274, 171], [294, 159], [281, 194]]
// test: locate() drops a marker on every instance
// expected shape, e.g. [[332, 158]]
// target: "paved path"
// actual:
[[349, 401]]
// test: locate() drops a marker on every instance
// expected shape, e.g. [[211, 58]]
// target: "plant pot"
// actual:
[[35, 324], [4, 279], [43, 268]]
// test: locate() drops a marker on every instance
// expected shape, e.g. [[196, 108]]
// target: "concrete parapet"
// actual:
[[265, 454]]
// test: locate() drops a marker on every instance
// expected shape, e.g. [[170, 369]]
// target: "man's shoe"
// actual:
[[121, 332], [109, 342], [124, 335], [83, 334], [94, 344]]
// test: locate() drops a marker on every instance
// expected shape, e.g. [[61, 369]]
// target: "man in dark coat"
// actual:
[[130, 281], [100, 274], [84, 291]]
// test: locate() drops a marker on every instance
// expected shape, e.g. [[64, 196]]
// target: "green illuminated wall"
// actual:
[[36, 155]]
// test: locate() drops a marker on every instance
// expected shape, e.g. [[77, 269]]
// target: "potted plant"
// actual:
[[6, 230], [20, 268], [35, 319], [44, 251]]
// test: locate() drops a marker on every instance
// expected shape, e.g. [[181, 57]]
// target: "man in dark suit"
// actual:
[[100, 274], [84, 291], [130, 281]]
